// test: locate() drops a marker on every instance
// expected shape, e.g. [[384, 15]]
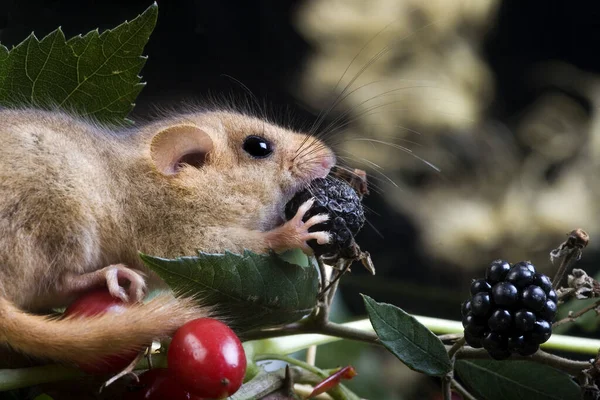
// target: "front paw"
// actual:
[[295, 232]]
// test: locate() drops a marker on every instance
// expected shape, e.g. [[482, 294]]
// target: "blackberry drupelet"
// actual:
[[510, 311], [346, 216]]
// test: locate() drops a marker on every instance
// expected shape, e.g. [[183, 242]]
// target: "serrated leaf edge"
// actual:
[[247, 254]]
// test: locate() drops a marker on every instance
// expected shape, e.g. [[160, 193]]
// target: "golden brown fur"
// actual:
[[76, 197]]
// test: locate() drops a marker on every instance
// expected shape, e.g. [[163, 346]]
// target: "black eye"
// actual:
[[257, 147]]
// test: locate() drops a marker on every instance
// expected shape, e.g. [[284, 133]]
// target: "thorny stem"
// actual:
[[573, 316]]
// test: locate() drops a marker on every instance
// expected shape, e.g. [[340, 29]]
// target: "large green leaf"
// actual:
[[253, 290], [408, 339], [95, 75], [518, 380]]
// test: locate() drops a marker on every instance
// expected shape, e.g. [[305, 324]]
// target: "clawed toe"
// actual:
[[137, 285], [317, 219], [320, 237]]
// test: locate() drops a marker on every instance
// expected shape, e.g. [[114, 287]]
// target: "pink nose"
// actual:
[[328, 161]]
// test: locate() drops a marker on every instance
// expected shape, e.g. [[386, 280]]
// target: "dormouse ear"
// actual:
[[180, 144]]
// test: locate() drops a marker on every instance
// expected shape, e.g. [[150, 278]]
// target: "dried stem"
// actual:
[[567, 263], [570, 251]]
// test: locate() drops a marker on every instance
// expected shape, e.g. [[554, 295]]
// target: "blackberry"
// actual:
[[505, 294], [520, 275], [480, 285], [497, 271], [524, 320], [534, 298], [511, 310], [481, 304], [341, 202]]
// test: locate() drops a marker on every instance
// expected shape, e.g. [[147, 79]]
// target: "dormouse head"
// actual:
[[238, 153]]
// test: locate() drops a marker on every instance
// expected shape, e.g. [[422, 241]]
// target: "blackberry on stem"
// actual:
[[511, 310], [343, 205]]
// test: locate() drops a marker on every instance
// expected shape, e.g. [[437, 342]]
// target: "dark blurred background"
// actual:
[[499, 95]]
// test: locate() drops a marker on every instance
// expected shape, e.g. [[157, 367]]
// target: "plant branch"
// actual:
[[456, 347], [292, 361], [449, 330], [574, 315], [571, 367], [447, 386], [463, 392], [341, 331], [282, 342], [449, 377]]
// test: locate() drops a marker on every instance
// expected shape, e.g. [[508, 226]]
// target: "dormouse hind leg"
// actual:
[[294, 233], [113, 277]]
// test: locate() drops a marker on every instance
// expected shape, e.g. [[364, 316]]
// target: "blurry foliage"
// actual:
[[506, 188]]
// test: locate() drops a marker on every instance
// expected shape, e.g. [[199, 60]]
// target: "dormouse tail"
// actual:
[[89, 339]]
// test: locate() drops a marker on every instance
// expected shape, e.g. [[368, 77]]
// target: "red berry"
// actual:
[[208, 359], [98, 302], [159, 384]]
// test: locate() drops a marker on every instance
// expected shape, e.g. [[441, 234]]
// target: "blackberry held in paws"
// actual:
[[511, 310], [340, 201]]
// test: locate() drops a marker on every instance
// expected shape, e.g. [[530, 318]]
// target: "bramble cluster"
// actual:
[[341, 202], [510, 311]]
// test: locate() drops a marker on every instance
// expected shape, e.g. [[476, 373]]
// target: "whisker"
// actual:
[[372, 226], [332, 128], [364, 68], [374, 179], [402, 148], [253, 97], [322, 115], [373, 110], [371, 163], [382, 176], [380, 95], [401, 127]]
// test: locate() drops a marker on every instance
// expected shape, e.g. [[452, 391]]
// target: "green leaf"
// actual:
[[296, 256], [408, 339], [519, 379], [94, 75], [252, 290]]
